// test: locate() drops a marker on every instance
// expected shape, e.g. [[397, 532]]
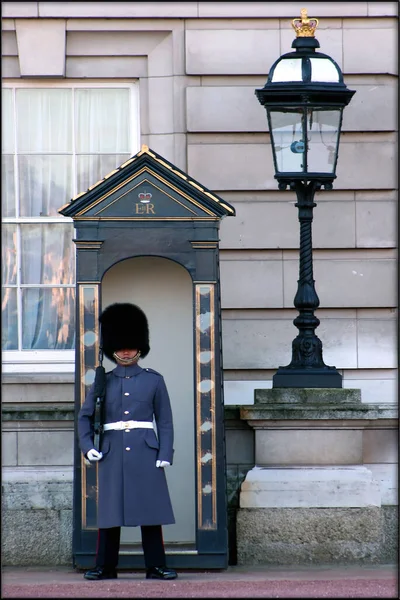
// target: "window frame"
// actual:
[[58, 361]]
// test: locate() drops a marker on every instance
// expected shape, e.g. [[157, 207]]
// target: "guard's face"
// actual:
[[125, 354]]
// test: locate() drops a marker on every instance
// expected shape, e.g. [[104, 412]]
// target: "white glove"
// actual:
[[162, 463], [94, 456]]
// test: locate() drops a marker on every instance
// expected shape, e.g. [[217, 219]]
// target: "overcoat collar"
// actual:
[[129, 371]]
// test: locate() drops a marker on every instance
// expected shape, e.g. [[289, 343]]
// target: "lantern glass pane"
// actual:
[[323, 129], [288, 143], [288, 69], [324, 70]]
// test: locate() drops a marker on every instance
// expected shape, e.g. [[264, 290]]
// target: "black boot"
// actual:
[[100, 573], [161, 573]]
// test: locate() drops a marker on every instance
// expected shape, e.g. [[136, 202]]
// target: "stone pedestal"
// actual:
[[305, 487], [311, 496]]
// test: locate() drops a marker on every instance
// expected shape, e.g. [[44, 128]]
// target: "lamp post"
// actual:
[[304, 98]]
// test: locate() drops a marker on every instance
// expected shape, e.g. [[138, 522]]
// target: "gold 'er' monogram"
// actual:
[[144, 209]]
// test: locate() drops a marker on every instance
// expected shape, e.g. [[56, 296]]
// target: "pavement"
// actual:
[[372, 581]]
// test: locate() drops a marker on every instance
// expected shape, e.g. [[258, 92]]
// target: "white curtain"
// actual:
[[102, 122], [7, 159], [91, 168], [45, 184], [44, 120], [48, 316], [44, 127], [9, 330], [9, 254], [7, 186], [102, 133], [7, 121], [9, 319], [47, 255]]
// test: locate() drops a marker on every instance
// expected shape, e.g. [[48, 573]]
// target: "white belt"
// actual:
[[129, 425]]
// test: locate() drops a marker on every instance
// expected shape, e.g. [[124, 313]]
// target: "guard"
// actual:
[[136, 446]]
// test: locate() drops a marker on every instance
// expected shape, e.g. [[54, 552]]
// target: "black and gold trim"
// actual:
[[204, 245], [146, 167], [147, 219], [88, 298], [88, 244], [205, 407]]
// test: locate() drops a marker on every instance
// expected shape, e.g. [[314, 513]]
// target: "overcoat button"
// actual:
[[127, 431], [126, 394], [127, 449], [126, 412]]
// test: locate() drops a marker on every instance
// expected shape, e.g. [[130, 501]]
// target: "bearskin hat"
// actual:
[[124, 325]]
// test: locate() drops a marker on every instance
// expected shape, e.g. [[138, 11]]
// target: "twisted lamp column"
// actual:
[[307, 368]]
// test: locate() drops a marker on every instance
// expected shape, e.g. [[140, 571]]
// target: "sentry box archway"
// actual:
[[149, 208]]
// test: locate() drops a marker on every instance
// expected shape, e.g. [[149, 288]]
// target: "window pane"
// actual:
[[45, 184], [323, 69], [102, 120], [90, 169], [44, 120], [48, 319], [286, 127], [323, 132], [7, 186], [288, 69], [8, 255], [7, 121], [9, 321], [48, 254]]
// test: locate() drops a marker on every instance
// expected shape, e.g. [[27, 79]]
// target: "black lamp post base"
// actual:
[[307, 378]]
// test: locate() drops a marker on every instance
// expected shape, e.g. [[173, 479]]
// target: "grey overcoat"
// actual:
[[132, 490]]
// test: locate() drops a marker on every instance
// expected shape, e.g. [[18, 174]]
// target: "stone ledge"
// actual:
[[37, 488], [49, 495], [310, 487], [23, 378], [319, 412], [298, 422], [37, 474], [38, 412], [329, 404], [314, 396]]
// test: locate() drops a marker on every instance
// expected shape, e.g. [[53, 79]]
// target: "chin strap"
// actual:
[[127, 361]]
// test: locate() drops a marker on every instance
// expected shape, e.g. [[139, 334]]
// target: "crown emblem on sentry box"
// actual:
[[304, 27], [145, 197]]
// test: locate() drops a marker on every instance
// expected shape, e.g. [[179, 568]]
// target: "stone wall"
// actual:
[[37, 516], [306, 536], [37, 478]]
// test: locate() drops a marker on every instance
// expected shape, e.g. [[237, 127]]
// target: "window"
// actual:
[[58, 139]]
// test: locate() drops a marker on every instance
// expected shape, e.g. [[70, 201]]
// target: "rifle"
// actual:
[[100, 393]]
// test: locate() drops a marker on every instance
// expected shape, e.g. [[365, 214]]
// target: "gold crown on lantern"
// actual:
[[304, 27]]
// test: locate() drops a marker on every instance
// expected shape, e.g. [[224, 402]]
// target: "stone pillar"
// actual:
[[310, 498]]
